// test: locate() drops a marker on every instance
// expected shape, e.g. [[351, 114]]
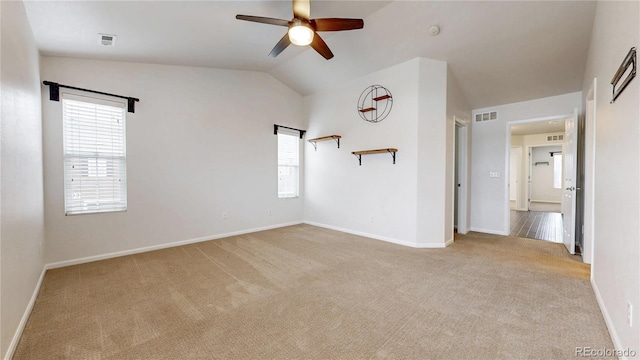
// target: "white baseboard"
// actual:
[[607, 318], [488, 231], [448, 242], [27, 312], [431, 246], [163, 246], [378, 237], [462, 231]]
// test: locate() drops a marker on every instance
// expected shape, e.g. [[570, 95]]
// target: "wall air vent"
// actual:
[[493, 115], [555, 137], [107, 40]]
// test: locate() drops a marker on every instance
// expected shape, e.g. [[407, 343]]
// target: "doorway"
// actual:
[[536, 178], [545, 178], [461, 177]]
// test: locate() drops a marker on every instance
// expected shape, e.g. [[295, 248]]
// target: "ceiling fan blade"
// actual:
[[336, 24], [263, 20], [321, 47], [301, 9], [280, 46]]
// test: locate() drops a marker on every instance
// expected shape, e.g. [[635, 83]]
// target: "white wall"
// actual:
[[526, 142], [517, 179], [401, 203], [517, 140], [435, 133], [616, 258], [514, 172], [457, 109], [21, 219], [542, 176], [377, 198], [489, 148], [201, 142]]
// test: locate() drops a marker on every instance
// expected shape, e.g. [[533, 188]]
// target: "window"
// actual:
[[557, 171], [288, 163], [95, 178]]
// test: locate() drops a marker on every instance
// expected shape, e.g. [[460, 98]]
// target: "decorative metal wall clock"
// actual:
[[375, 103]]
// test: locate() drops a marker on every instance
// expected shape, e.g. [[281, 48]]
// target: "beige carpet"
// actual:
[[304, 292]]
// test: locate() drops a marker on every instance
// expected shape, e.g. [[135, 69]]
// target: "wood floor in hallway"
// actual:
[[536, 225]]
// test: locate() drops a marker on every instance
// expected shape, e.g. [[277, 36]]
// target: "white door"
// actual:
[[570, 150], [461, 184], [530, 179]]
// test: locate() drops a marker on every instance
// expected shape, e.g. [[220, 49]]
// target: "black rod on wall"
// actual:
[[276, 126], [54, 94]]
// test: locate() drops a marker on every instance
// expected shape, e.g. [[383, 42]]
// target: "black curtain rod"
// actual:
[[276, 126], [54, 94]]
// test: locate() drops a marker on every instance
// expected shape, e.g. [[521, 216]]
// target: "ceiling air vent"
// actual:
[[555, 137], [493, 115], [107, 40]]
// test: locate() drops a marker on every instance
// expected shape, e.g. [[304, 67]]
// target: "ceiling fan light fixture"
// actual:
[[301, 30], [300, 34]]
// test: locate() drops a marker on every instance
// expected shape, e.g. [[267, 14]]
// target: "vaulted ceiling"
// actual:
[[500, 52]]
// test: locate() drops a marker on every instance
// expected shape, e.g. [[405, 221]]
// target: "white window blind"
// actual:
[[94, 155], [288, 163]]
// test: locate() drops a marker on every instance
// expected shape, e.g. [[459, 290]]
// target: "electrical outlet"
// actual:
[[630, 313], [225, 215], [372, 219], [494, 174], [270, 212]]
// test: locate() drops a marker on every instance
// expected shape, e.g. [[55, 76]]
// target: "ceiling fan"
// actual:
[[303, 31]]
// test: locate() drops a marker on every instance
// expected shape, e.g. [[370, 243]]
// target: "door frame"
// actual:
[[531, 166], [461, 149], [589, 219], [507, 160]]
